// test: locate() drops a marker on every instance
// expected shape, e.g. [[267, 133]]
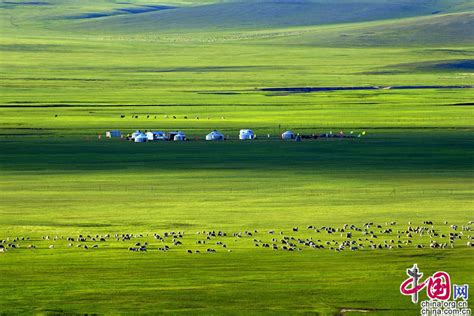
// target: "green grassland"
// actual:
[[65, 78], [68, 187]]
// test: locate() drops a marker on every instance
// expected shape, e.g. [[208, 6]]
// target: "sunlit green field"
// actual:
[[65, 82]]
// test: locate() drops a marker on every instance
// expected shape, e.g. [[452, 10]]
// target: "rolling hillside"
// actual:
[[331, 23], [233, 227], [252, 15]]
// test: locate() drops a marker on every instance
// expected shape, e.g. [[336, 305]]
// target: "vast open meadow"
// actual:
[[73, 204]]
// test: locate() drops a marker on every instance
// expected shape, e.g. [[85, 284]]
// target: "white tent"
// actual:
[[214, 135], [246, 134], [288, 135], [135, 134], [180, 136], [113, 133], [142, 138]]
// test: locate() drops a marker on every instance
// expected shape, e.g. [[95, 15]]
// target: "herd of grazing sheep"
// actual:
[[369, 236]]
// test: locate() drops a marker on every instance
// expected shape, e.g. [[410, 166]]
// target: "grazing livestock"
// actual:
[[349, 238]]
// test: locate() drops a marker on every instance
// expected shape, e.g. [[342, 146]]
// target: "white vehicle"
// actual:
[[156, 136], [113, 134]]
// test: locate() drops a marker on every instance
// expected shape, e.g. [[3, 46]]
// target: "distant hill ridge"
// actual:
[[298, 22], [435, 30], [271, 14]]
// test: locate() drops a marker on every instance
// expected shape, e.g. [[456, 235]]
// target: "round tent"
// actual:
[[180, 136], [246, 134], [142, 138], [214, 135], [135, 134], [288, 135]]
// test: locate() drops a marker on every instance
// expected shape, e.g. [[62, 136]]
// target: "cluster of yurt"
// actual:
[[141, 137], [244, 134]]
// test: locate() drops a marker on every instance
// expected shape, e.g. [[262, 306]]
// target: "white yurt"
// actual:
[[135, 134], [180, 136], [246, 134], [288, 135], [142, 138], [214, 135]]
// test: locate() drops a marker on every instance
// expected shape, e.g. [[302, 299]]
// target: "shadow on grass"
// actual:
[[421, 153]]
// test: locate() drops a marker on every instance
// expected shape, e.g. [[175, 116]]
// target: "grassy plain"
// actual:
[[67, 187], [61, 86]]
